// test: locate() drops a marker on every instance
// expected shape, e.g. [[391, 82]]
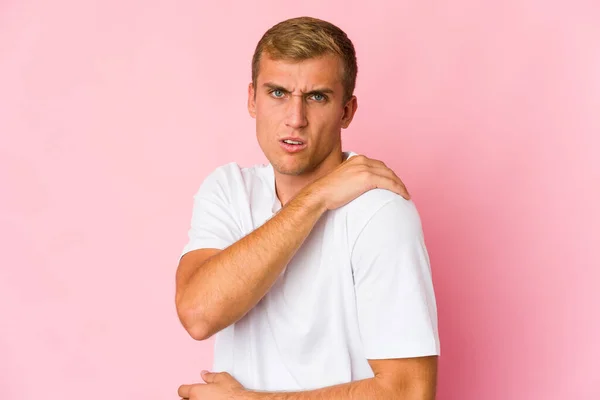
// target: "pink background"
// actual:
[[112, 113]]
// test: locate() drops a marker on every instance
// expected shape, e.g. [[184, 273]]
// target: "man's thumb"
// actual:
[[208, 377]]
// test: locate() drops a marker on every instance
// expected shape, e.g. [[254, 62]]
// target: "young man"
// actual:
[[312, 270]]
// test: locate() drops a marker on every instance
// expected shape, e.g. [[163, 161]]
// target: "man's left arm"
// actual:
[[397, 379]]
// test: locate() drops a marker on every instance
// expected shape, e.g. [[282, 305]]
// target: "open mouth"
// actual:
[[292, 146], [293, 142]]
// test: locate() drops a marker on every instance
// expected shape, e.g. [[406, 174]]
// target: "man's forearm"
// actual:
[[371, 388], [229, 284]]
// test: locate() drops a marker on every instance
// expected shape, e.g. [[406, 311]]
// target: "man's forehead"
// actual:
[[325, 71]]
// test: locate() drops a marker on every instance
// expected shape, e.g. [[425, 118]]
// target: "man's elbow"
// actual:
[[195, 323], [199, 331]]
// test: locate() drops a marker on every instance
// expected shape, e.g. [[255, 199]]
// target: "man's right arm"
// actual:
[[215, 288]]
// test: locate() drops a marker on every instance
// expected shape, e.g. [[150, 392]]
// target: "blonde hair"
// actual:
[[302, 38]]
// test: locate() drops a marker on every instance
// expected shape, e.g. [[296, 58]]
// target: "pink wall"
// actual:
[[112, 112]]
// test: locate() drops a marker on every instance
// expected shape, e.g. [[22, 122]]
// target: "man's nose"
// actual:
[[296, 113]]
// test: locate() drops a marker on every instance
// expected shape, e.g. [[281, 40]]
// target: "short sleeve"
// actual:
[[213, 224], [395, 298]]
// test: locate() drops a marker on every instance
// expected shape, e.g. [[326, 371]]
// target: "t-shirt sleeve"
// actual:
[[397, 311], [213, 224]]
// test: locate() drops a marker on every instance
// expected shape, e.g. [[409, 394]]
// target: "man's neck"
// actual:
[[288, 186]]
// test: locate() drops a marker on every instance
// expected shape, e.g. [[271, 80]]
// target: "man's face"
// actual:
[[302, 101]]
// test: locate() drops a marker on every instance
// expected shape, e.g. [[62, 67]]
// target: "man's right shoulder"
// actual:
[[224, 171], [221, 177], [230, 175]]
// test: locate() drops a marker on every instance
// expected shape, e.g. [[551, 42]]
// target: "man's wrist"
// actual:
[[313, 198]]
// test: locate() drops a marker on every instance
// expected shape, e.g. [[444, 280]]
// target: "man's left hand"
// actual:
[[218, 386]]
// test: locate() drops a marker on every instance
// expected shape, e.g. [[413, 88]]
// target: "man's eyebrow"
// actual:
[[320, 90], [274, 86]]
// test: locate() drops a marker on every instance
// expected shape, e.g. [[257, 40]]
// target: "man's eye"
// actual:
[[277, 93], [318, 97]]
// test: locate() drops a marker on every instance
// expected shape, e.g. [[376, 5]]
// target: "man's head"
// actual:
[[303, 78], [299, 39]]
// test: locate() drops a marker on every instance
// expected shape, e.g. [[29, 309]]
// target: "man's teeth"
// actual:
[[292, 142]]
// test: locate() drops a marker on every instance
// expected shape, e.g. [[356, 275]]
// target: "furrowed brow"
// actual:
[[273, 86], [320, 91]]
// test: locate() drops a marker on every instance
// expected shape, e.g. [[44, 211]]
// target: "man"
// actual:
[[312, 270]]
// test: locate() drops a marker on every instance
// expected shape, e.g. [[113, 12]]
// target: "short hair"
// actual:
[[303, 38]]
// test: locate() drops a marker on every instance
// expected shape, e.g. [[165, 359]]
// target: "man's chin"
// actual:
[[292, 170]]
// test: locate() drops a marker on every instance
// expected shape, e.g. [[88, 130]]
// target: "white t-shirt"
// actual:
[[358, 288]]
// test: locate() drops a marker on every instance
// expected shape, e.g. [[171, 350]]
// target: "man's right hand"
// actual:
[[353, 177]]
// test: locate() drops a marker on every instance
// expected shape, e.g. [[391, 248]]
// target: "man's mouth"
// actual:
[[292, 145], [292, 141]]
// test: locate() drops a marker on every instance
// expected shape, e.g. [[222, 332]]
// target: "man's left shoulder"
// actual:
[[388, 210], [380, 200]]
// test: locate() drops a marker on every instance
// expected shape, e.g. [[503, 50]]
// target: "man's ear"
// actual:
[[251, 101], [349, 110]]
